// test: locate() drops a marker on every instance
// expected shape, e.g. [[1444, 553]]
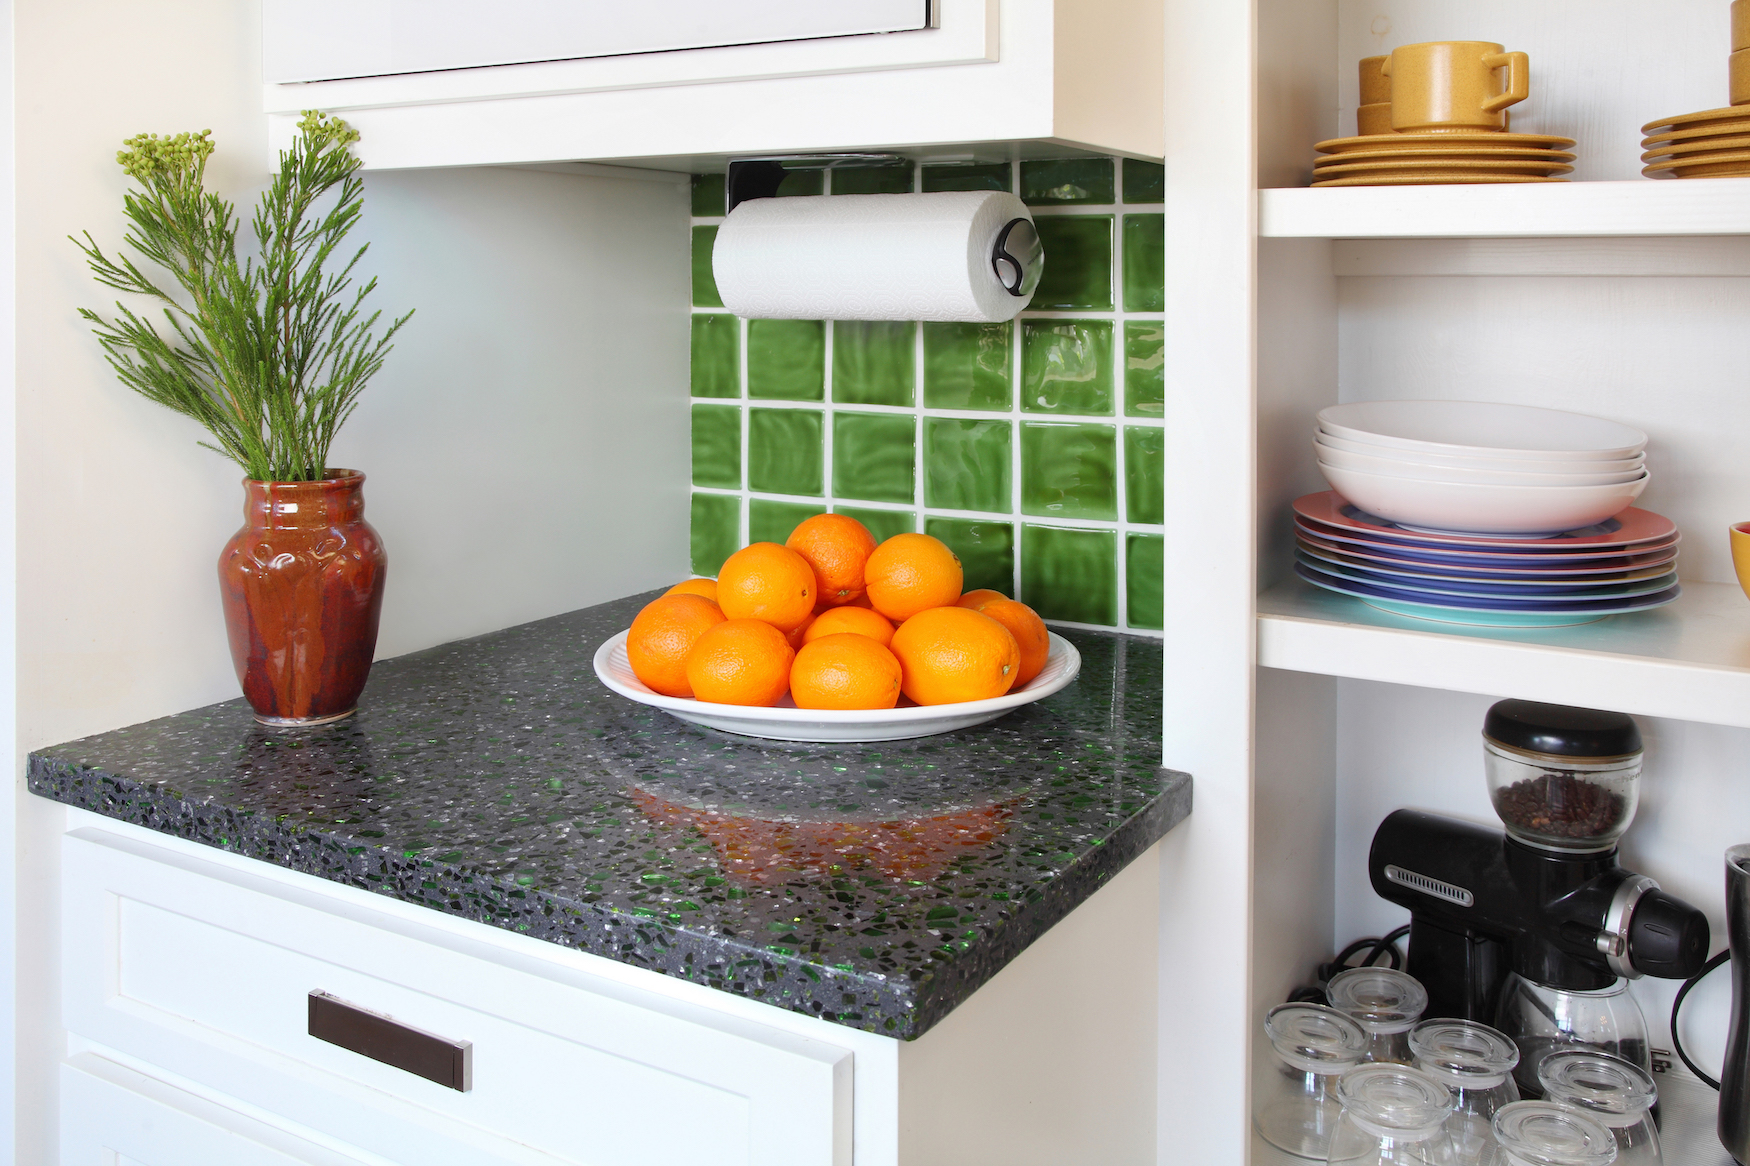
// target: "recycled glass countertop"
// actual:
[[495, 778]]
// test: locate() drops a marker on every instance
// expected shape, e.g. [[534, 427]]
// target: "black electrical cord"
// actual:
[[1386, 946], [1677, 1041]]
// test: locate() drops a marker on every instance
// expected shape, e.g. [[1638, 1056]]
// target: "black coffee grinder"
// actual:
[[1537, 931]]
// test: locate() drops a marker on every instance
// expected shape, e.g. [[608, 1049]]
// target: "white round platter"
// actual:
[[786, 722]]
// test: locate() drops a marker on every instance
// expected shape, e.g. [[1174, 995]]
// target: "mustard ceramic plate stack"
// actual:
[[1436, 113], [1437, 158], [1714, 143]]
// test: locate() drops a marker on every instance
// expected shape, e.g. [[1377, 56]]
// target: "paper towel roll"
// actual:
[[867, 257]]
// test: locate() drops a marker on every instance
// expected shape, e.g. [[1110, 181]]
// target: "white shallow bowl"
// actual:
[[1475, 509], [1420, 457], [1391, 468], [1521, 432], [786, 722]]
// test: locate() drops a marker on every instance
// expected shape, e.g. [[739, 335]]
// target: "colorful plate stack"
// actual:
[[1625, 563]]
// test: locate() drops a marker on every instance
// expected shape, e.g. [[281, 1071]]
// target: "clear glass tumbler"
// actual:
[[1476, 1063], [1392, 1116], [1541, 1133], [1297, 1107], [1542, 1021], [1385, 1003], [1618, 1094]]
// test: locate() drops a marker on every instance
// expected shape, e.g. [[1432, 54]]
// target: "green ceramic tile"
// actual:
[[1070, 574], [1067, 180], [715, 530], [786, 360], [707, 195], [986, 551], [772, 522], [967, 176], [1145, 468], [1144, 563], [1078, 263], [883, 524], [716, 355], [784, 451], [874, 456], [966, 366], [1069, 470], [1145, 263], [1066, 367], [967, 465], [874, 362], [1144, 181], [717, 446], [872, 179], [704, 282], [802, 182], [1145, 358]]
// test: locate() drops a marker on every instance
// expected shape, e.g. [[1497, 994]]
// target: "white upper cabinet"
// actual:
[[685, 83]]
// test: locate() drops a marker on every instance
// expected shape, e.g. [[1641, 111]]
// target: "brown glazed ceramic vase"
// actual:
[[303, 590]]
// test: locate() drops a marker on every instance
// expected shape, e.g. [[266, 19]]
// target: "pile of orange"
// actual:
[[837, 622]]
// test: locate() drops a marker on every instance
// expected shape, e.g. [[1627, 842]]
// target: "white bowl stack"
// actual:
[[1476, 468]]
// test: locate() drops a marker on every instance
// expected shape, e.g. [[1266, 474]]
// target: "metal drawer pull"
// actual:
[[371, 1034]]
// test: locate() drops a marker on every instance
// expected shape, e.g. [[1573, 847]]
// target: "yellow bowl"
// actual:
[[1741, 554]]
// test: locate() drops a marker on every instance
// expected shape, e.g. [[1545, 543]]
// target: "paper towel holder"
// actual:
[[760, 177]]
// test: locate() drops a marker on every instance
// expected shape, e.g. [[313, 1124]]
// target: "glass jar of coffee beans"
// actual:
[[1562, 778]]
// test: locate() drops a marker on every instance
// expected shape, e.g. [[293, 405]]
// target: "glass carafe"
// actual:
[[1393, 1115], [1297, 1107], [1618, 1094], [1544, 1020], [1385, 1003], [1538, 1133], [1476, 1063]]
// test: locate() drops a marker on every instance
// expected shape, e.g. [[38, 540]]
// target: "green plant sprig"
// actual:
[[269, 354]]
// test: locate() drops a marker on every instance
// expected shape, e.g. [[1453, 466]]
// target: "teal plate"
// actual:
[[1476, 617]]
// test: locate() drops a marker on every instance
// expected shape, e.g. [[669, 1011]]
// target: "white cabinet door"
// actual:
[[206, 972], [299, 40], [114, 1116]]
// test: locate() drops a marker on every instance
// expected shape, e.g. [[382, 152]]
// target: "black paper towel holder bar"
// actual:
[[760, 177]]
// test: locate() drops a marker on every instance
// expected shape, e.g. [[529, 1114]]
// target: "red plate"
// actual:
[[1634, 527]]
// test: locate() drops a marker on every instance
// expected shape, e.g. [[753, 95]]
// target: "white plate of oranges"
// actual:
[[832, 637]]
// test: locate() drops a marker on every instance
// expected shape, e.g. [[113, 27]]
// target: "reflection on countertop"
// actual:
[[495, 778]]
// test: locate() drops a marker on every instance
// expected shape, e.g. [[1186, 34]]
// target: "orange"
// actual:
[[973, 598], [951, 654], [836, 546], [1027, 628], [767, 582], [858, 621], [844, 671], [705, 587], [910, 573], [740, 661], [662, 635]]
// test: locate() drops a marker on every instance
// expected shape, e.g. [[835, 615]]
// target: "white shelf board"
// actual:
[[1689, 660], [1641, 207]]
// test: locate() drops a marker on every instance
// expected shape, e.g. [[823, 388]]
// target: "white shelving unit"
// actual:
[[1638, 207], [1611, 294]]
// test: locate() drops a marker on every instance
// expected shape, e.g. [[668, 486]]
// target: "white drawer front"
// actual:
[[113, 1116], [190, 966]]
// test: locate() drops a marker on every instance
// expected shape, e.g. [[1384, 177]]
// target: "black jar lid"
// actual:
[[1561, 731]]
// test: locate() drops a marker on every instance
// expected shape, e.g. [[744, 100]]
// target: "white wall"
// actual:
[[525, 445]]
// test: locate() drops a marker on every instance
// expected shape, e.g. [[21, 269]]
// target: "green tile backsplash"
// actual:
[[1034, 449], [1078, 263], [786, 360]]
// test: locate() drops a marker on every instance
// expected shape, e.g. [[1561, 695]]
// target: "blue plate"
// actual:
[[1535, 573], [1462, 558], [1483, 612], [1561, 590]]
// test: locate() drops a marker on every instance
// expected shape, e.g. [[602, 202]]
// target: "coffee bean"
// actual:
[[1560, 805]]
